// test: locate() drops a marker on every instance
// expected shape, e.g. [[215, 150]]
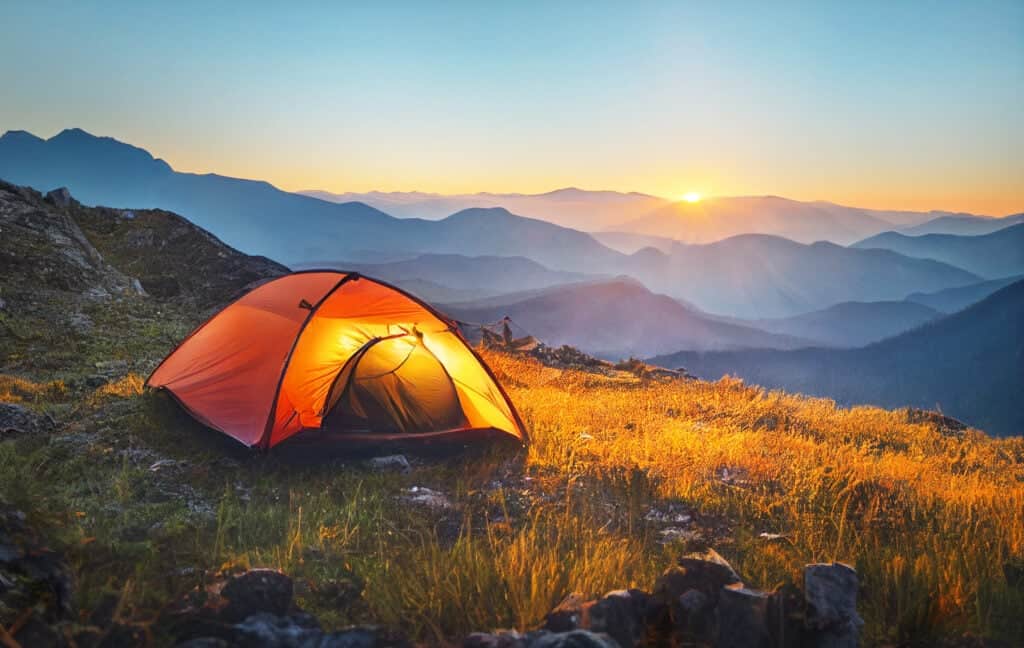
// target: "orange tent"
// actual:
[[352, 357]]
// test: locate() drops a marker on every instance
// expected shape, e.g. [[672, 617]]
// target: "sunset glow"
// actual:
[[691, 196]]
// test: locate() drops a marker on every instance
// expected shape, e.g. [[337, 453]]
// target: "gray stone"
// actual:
[[742, 616], [830, 591], [390, 462], [257, 591], [16, 420], [574, 639], [501, 639], [619, 614], [60, 197]]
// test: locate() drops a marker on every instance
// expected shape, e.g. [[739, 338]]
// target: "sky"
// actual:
[[891, 105]]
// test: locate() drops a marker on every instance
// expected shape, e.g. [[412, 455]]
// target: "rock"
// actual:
[[501, 639], [573, 639], [685, 596], [136, 287], [60, 197], [16, 420], [830, 591], [619, 614], [429, 498], [742, 617], [567, 615], [390, 462], [256, 591]]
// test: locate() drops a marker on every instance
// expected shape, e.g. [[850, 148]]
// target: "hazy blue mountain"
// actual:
[[963, 225], [969, 365], [756, 276], [629, 243], [570, 207], [616, 319], [952, 300], [714, 219], [472, 277], [852, 324], [260, 219], [993, 256]]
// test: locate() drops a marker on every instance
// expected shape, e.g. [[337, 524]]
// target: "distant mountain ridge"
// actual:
[[756, 276], [852, 324], [256, 217], [465, 277], [569, 207], [616, 319], [969, 365], [994, 255], [963, 225]]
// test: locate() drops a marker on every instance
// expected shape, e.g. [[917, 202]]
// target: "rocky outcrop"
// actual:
[[18, 420], [702, 602], [55, 243]]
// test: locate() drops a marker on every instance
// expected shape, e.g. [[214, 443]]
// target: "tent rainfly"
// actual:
[[351, 357]]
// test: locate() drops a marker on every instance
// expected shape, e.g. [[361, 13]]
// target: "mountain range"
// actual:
[[969, 365], [615, 319], [755, 276], [452, 277], [994, 255], [570, 207]]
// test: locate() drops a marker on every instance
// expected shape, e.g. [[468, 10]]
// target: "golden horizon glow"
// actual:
[[691, 196]]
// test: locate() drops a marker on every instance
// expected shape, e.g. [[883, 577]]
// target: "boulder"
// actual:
[[500, 639], [742, 618], [390, 462], [256, 591], [60, 197], [619, 614], [573, 639], [17, 420], [830, 592], [682, 607]]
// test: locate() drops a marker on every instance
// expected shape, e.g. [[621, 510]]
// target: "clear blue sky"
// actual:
[[883, 104]]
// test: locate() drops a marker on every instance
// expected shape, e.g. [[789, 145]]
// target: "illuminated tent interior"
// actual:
[[350, 357]]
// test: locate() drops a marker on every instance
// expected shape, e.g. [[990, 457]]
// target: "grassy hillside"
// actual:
[[625, 472]]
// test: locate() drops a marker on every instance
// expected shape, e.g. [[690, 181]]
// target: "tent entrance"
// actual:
[[393, 385]]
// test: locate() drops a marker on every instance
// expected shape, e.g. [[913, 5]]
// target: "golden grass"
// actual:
[[20, 390], [929, 519]]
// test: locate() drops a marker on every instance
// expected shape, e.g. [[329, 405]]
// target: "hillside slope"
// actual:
[[617, 319], [969, 365], [852, 324], [993, 256]]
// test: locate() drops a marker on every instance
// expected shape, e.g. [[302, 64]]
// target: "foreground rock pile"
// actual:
[[701, 601]]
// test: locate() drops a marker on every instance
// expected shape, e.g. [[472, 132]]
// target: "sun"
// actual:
[[691, 197]]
